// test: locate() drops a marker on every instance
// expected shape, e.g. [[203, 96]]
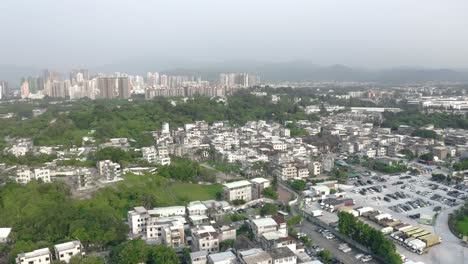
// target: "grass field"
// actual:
[[191, 192], [462, 226], [169, 193]]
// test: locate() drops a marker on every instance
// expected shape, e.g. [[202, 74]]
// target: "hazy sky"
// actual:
[[369, 33]]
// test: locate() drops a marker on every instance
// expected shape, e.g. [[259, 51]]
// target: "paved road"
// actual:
[[331, 245]]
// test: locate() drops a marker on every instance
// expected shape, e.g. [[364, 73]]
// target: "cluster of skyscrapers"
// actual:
[[81, 84]]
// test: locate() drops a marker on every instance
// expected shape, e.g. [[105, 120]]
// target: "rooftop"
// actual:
[[198, 254], [259, 180], [222, 256], [256, 258], [264, 222], [35, 253], [5, 232], [237, 184], [67, 245], [281, 252]]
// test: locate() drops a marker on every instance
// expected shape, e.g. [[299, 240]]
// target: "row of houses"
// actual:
[[62, 252]]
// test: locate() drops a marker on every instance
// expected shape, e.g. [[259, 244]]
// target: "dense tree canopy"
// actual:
[[369, 237]]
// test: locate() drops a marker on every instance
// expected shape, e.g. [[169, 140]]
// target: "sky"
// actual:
[[362, 33]]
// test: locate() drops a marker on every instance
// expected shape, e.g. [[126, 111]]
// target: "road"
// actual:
[[455, 252]]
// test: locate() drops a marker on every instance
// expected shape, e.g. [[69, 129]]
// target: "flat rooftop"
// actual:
[[67, 245], [237, 184], [35, 253], [5, 232], [264, 222]]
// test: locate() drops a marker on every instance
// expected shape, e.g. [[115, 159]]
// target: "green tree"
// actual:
[[427, 156], [298, 185], [130, 252], [269, 209], [226, 244], [162, 255], [270, 193], [295, 220], [326, 256], [86, 260]]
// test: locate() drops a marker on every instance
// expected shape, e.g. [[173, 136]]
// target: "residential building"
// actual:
[[39, 256], [166, 230], [168, 211], [283, 255], [222, 258], [110, 170], [83, 178], [258, 257], [440, 152], [138, 220], [64, 252], [25, 175], [316, 168], [263, 225], [4, 234], [238, 190], [302, 171], [258, 185], [286, 171], [199, 257], [205, 238], [196, 208], [149, 154]]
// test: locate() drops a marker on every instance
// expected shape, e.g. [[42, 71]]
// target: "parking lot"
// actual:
[[410, 198], [322, 240]]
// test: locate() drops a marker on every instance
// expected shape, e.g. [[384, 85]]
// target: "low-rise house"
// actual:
[[263, 225], [167, 230], [64, 252], [196, 208], [222, 258], [168, 211], [199, 257], [226, 232], [257, 257], [38, 256], [25, 175], [205, 238], [4, 234], [283, 255]]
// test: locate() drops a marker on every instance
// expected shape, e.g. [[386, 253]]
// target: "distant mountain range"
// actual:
[[273, 72]]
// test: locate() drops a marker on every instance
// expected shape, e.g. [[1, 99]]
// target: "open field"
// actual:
[[193, 192], [168, 192]]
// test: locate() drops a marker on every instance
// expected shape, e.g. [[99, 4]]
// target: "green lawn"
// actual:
[[192, 192], [462, 226], [168, 193]]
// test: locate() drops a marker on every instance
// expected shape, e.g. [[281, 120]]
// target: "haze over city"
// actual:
[[168, 34]]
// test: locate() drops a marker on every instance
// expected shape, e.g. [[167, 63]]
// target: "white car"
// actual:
[[346, 249], [359, 256], [366, 258]]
